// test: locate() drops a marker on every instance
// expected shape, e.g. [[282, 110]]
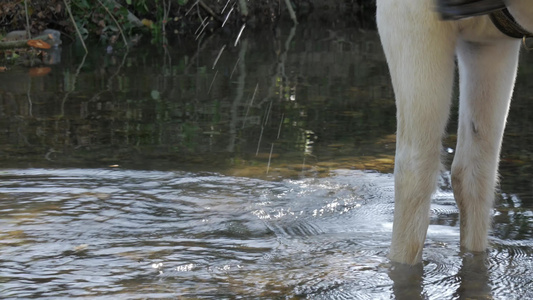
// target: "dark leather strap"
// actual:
[[504, 21]]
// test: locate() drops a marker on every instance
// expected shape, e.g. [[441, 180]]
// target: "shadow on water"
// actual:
[[211, 169]]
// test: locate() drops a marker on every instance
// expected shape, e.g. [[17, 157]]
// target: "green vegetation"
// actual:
[[119, 21]]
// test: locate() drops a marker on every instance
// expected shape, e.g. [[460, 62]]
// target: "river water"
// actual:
[[257, 168]]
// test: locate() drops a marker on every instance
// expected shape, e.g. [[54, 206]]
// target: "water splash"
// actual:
[[156, 234]]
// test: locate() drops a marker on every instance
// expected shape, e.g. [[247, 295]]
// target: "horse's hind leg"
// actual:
[[487, 73], [420, 53]]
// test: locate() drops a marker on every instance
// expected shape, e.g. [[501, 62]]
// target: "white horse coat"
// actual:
[[421, 50]]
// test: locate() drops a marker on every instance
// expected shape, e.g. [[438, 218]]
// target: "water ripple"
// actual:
[[104, 234]]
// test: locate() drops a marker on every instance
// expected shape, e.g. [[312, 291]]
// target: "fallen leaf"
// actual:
[[3, 69], [38, 44], [39, 71]]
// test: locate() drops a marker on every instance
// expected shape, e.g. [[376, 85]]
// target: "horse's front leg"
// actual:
[[420, 53], [487, 72]]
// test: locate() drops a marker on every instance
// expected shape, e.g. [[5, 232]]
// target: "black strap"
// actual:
[[504, 21]]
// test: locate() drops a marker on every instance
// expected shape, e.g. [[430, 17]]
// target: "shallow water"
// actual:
[[253, 170], [107, 233]]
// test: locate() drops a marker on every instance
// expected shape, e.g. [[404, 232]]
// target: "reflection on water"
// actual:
[[149, 234], [278, 103], [287, 107]]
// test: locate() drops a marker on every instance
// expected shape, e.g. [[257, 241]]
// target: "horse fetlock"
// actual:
[[474, 196]]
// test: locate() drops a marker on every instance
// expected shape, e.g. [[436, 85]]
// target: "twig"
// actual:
[[212, 81], [203, 28], [116, 22], [218, 56], [260, 138], [30, 103], [280, 123], [75, 26], [110, 79], [291, 11], [227, 16], [133, 19], [223, 9], [166, 12], [27, 19], [210, 11], [236, 105], [72, 85], [250, 105], [234, 68], [192, 6], [201, 47], [239, 35], [270, 157]]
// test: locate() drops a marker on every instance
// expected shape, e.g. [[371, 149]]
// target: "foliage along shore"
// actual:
[[112, 21]]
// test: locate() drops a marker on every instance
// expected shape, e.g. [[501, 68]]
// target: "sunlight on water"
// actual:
[[104, 233]]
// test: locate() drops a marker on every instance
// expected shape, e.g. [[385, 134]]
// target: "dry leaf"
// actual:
[[38, 44]]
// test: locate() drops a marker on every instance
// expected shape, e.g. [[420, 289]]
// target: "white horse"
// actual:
[[421, 50]]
